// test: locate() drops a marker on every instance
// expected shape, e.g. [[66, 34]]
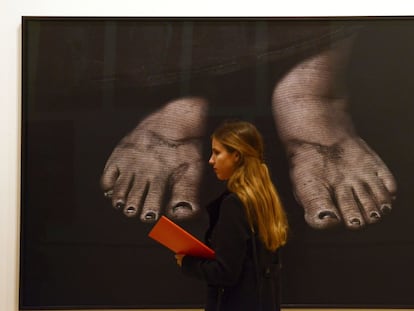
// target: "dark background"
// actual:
[[79, 101]]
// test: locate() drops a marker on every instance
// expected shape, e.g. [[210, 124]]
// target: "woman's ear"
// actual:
[[237, 156]]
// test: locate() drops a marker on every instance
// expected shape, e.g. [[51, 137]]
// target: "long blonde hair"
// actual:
[[252, 183]]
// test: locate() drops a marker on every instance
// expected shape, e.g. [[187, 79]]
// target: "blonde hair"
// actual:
[[252, 183]]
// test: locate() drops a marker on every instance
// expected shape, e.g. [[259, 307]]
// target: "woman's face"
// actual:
[[223, 162]]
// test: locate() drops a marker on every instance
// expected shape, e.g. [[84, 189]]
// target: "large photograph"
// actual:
[[117, 115]]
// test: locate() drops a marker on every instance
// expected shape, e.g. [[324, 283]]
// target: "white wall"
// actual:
[[10, 68]]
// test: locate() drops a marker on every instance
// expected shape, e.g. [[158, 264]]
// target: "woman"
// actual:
[[247, 226]]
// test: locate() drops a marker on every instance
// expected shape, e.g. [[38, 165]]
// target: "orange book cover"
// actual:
[[172, 236]]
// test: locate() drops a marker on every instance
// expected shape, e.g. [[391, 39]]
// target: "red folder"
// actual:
[[178, 240]]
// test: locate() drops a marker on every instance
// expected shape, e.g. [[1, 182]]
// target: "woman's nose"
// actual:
[[211, 161]]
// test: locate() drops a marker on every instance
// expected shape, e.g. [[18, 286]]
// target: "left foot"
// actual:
[[342, 182], [336, 176]]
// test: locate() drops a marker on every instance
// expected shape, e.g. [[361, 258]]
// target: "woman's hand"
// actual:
[[179, 258]]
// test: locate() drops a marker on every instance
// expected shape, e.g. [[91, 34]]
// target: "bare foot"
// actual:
[[343, 182], [156, 169], [336, 176]]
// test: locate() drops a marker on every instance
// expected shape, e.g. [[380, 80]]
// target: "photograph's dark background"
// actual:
[[80, 100]]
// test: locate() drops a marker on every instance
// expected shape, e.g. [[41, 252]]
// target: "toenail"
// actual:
[[355, 222], [327, 214], [182, 205], [130, 210], [119, 205], [374, 215], [150, 216], [385, 209], [108, 194]]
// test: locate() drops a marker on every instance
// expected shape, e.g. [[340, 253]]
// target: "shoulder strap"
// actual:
[[257, 268]]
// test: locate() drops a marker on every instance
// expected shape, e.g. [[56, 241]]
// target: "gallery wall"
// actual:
[[10, 112]]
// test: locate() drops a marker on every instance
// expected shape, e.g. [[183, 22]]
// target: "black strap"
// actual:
[[257, 269]]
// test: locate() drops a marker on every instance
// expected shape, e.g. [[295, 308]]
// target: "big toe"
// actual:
[[182, 210], [319, 217]]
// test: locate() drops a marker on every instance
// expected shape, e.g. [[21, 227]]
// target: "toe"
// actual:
[[152, 203], [367, 203], [120, 190], [183, 203], [388, 181], [316, 200], [321, 214], [108, 179], [349, 207]]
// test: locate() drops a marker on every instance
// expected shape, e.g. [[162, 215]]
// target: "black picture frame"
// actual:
[[85, 86]]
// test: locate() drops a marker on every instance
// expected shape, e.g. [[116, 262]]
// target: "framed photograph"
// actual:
[[117, 115]]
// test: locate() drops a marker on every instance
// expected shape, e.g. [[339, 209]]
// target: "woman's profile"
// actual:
[[247, 226]]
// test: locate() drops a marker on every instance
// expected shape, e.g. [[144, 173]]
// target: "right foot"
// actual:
[[157, 168]]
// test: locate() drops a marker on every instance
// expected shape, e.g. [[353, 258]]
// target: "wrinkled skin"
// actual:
[[337, 178], [156, 169], [345, 182]]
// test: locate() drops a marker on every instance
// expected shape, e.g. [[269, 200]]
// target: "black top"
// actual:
[[237, 279]]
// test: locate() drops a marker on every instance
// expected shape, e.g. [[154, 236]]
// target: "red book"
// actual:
[[178, 240]]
